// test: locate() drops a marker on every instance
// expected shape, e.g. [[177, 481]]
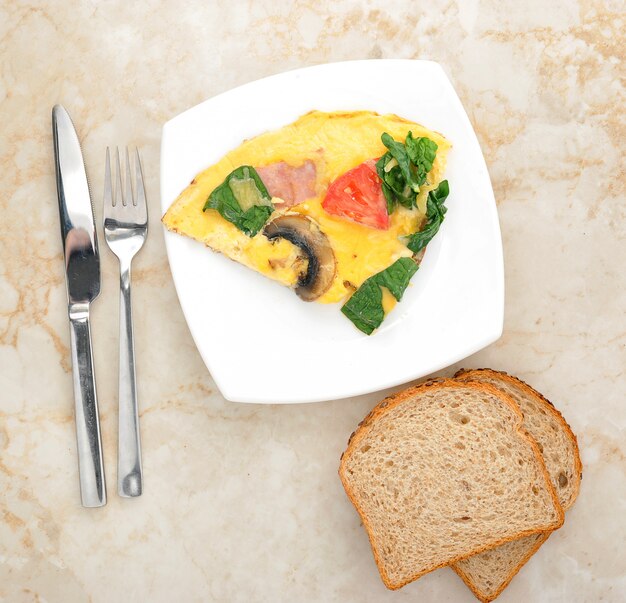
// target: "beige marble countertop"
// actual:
[[243, 503]]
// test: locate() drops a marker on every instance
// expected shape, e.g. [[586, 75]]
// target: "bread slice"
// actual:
[[442, 471], [489, 572]]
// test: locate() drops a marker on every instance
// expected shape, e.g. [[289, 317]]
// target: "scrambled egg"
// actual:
[[335, 142]]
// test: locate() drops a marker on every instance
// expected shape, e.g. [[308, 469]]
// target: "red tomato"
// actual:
[[358, 196]]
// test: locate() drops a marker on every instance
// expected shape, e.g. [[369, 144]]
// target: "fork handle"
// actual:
[[129, 471], [90, 465]]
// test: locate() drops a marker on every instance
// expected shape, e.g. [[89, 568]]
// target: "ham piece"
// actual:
[[292, 185]]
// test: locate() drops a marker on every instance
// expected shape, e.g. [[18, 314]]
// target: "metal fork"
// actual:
[[125, 230]]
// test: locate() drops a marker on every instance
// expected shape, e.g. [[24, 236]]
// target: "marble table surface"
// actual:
[[243, 502]]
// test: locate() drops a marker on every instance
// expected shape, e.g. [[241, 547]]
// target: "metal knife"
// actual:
[[82, 277]]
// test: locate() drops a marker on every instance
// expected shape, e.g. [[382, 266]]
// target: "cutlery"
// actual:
[[125, 230], [82, 278]]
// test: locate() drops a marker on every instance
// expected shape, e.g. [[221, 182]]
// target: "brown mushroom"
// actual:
[[305, 234]]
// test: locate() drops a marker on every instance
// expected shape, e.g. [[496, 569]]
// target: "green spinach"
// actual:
[[435, 212], [224, 199], [422, 152], [404, 167], [365, 306]]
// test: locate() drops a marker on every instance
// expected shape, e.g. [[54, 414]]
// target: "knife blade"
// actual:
[[82, 277]]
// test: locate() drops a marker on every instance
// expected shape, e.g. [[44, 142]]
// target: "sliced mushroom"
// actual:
[[305, 234]]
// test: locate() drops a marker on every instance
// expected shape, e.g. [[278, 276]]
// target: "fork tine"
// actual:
[[119, 193], [108, 192], [140, 191], [130, 197]]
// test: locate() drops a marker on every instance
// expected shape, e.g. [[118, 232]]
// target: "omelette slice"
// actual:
[[338, 206]]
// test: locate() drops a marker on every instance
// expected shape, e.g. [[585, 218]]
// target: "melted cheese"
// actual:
[[335, 142]]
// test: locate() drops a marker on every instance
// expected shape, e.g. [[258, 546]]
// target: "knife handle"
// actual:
[[90, 465]]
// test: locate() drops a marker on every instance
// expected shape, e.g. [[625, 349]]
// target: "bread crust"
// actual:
[[479, 595], [394, 400], [465, 375]]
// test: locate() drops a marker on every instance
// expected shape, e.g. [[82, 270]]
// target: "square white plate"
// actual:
[[260, 342]]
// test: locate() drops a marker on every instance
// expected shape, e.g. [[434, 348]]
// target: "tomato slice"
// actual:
[[358, 196]]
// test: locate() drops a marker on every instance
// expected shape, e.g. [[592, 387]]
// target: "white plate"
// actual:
[[258, 339]]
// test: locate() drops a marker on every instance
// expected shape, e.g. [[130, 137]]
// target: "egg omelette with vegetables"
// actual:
[[338, 206]]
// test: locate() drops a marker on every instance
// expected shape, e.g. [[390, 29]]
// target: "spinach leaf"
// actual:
[[389, 197], [394, 185], [387, 188], [422, 152], [253, 219], [365, 306], [396, 277], [243, 180], [399, 153], [435, 212], [412, 160]]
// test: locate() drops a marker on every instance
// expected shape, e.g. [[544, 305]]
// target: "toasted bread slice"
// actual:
[[488, 573], [443, 471]]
